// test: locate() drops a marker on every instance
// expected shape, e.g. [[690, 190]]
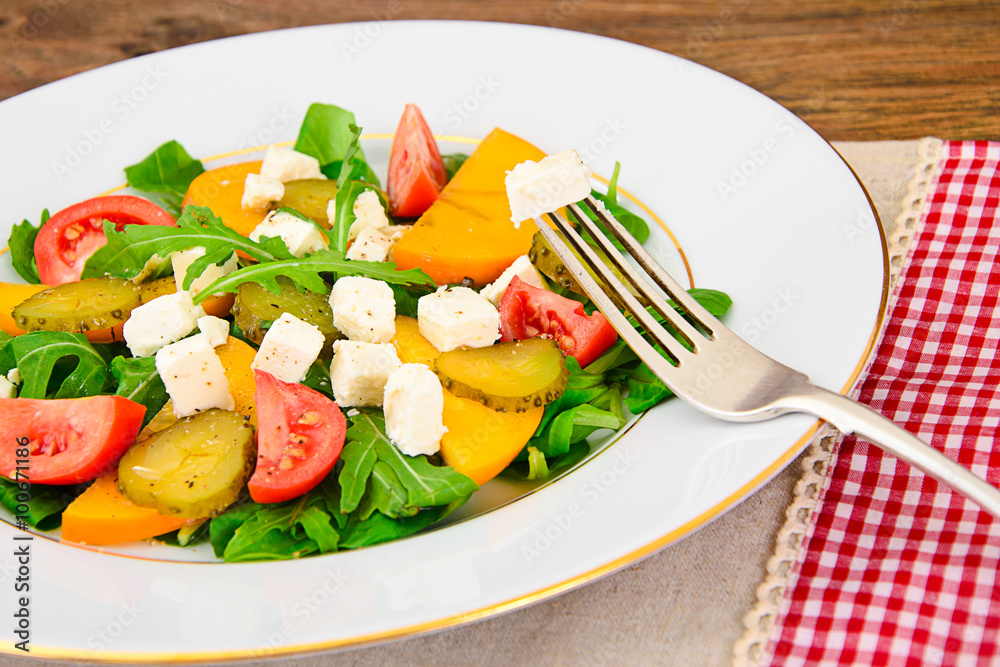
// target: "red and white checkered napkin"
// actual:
[[897, 569]]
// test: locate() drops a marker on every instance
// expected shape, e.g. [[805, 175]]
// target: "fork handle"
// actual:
[[849, 416]]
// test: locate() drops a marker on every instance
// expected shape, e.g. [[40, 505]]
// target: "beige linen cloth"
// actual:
[[707, 599]]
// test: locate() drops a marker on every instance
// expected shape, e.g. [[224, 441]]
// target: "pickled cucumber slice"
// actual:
[[194, 469], [256, 308], [508, 377], [310, 196], [84, 305], [546, 261]]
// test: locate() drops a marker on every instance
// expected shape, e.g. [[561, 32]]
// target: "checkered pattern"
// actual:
[[897, 569]]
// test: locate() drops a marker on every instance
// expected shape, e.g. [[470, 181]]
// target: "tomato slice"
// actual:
[[416, 170], [67, 440], [71, 236], [526, 312], [300, 433]]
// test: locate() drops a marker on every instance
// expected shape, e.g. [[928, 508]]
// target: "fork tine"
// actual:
[[688, 304], [683, 328], [672, 347]]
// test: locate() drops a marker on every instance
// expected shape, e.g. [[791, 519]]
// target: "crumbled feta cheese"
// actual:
[[457, 317], [534, 188], [364, 309], [7, 388], [370, 246], [14, 376], [414, 406], [368, 212], [523, 269], [182, 261], [193, 376], [285, 164], [359, 370], [301, 237], [289, 348], [151, 267], [216, 329], [259, 192], [395, 232], [159, 322]]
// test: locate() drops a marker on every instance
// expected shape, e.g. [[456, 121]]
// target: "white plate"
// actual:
[[762, 206]]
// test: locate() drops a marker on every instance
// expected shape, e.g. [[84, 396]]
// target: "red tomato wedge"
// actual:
[[416, 170], [300, 433], [527, 312], [66, 440], [71, 236]]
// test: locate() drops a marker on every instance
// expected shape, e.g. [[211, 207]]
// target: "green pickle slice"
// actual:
[[194, 468], [255, 309], [310, 197], [546, 261], [508, 377], [84, 305]]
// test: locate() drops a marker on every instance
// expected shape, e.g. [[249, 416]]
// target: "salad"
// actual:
[[285, 357]]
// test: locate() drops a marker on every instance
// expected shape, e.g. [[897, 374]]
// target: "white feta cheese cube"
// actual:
[[14, 376], [289, 348], [8, 389], [285, 164], [414, 406], [534, 188], [457, 317], [182, 261], [523, 269], [368, 212], [364, 309], [259, 192], [359, 370], [193, 376], [159, 322], [370, 246], [216, 329], [301, 237]]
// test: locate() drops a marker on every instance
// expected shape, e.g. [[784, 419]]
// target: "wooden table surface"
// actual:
[[854, 69]]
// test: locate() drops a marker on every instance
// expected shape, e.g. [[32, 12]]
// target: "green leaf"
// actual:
[[45, 503], [168, 170], [716, 302], [305, 273], [379, 528], [21, 245], [574, 425], [316, 524], [223, 527], [359, 459], [318, 378], [277, 532], [326, 133], [426, 484], [527, 470], [537, 466], [126, 252], [38, 354], [344, 212], [453, 162], [139, 381], [644, 389], [385, 494]]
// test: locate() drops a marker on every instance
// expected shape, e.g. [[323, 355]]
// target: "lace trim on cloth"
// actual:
[[782, 567]]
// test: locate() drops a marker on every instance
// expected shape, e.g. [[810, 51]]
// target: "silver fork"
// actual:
[[717, 371]]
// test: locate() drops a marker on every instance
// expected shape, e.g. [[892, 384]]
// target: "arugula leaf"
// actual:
[[37, 356], [223, 527], [168, 170], [379, 528], [45, 505], [21, 245], [126, 252], [385, 494], [273, 532], [453, 162], [354, 178], [318, 378], [139, 381], [359, 460], [326, 133], [305, 273], [716, 302]]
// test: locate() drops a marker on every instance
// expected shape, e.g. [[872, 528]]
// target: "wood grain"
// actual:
[[854, 70]]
